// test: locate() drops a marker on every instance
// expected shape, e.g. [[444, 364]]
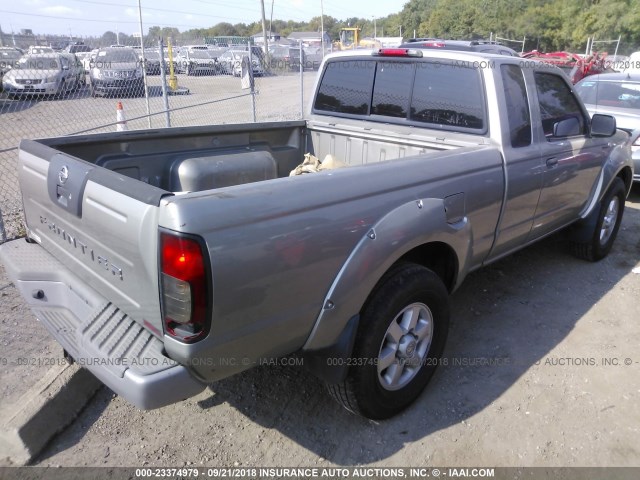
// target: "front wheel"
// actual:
[[402, 331], [606, 227]]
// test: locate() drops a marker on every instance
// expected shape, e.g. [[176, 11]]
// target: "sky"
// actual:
[[94, 17]]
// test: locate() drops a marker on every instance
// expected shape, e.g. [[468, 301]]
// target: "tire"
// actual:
[[607, 224], [402, 332]]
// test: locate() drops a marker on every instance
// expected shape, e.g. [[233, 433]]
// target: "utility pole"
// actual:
[[264, 30], [144, 64], [271, 20]]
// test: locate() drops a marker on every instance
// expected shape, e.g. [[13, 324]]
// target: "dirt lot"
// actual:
[[564, 388]]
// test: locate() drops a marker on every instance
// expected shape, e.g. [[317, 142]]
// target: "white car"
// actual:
[[44, 73], [231, 62], [616, 94], [33, 49]]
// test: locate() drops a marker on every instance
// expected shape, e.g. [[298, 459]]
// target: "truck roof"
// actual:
[[462, 56]]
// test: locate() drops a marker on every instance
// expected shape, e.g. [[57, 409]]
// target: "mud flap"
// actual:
[[332, 364]]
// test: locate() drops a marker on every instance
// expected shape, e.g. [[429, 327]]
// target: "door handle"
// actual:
[[552, 162]]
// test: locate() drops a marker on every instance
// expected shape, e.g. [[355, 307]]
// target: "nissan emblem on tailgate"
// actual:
[[66, 180], [63, 175]]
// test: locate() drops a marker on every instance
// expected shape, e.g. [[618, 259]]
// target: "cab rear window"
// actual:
[[449, 96], [346, 88]]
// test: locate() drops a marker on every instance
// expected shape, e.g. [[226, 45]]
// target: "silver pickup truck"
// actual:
[[163, 260]]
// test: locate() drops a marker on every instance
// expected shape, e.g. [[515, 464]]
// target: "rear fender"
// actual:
[[400, 231]]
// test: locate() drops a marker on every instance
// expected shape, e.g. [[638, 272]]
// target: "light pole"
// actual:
[[322, 27], [375, 30]]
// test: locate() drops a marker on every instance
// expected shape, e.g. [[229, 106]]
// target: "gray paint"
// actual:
[[293, 259]]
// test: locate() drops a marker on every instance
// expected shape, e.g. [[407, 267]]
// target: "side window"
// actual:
[[392, 89], [559, 109], [518, 113], [346, 87], [588, 91], [450, 95]]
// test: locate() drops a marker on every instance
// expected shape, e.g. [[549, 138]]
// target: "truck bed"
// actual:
[[195, 159]]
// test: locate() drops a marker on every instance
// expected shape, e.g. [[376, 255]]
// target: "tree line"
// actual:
[[547, 25]]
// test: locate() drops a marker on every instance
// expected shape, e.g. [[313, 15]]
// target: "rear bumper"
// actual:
[[116, 349]]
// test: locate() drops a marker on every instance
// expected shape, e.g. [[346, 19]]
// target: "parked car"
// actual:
[[198, 61], [151, 61], [116, 71], [175, 51], [286, 58], [44, 73], [461, 45], [8, 59], [76, 48], [231, 62], [39, 49], [313, 56], [616, 94]]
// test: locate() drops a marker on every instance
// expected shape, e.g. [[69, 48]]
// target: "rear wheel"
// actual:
[[401, 336], [606, 227]]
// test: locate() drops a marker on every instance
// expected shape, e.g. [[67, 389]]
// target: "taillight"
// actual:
[[397, 52], [184, 287]]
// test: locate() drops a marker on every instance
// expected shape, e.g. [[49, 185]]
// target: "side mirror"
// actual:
[[567, 127], [603, 125]]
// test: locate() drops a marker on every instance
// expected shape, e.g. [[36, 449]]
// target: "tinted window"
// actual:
[[557, 103], [518, 114], [448, 95], [610, 94], [392, 89], [346, 87]]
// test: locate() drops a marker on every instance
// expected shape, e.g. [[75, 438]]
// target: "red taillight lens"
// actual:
[[398, 52], [184, 286]]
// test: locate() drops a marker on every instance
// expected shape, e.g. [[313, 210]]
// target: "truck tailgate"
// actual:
[[98, 224]]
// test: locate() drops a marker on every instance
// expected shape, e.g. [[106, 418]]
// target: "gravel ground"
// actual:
[[23, 340], [567, 394]]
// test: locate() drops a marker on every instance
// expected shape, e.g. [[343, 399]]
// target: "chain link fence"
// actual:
[[48, 93]]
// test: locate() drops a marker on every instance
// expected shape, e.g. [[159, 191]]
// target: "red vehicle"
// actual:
[[575, 66]]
